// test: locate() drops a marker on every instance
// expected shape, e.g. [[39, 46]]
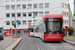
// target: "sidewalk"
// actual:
[[4, 44], [70, 40]]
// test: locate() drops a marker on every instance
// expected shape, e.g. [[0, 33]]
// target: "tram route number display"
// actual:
[[54, 20]]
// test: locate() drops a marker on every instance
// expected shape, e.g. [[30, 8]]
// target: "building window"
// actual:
[[46, 5], [6, 0], [29, 21], [18, 6], [7, 15], [63, 5], [18, 0], [40, 5], [67, 6], [7, 22], [24, 22], [24, 6], [13, 14], [35, 14], [35, 5], [40, 14], [18, 14], [12, 6], [7, 7], [29, 14], [63, 13], [24, 14], [29, 6], [47, 12], [12, 0], [13, 22], [20, 23]]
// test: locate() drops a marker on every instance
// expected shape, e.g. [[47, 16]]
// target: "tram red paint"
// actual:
[[53, 37]]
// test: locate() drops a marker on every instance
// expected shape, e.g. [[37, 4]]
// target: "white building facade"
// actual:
[[25, 10]]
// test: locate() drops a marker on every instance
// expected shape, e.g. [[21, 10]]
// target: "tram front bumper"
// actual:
[[53, 39]]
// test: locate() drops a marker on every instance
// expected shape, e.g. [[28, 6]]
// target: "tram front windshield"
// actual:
[[54, 25]]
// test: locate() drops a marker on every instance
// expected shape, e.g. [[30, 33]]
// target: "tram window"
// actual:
[[37, 29], [44, 27], [53, 26]]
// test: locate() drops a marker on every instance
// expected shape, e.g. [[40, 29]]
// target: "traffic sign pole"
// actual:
[[16, 24]]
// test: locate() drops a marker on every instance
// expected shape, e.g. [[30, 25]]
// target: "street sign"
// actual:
[[17, 24], [17, 21]]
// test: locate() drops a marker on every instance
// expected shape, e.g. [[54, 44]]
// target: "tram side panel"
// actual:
[[41, 30]]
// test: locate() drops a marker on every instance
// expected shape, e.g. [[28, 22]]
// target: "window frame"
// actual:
[[18, 14], [19, 7], [29, 6], [7, 22], [46, 5], [23, 14], [29, 14], [7, 7], [13, 22], [24, 6], [7, 14], [13, 14], [41, 5], [25, 22], [34, 6]]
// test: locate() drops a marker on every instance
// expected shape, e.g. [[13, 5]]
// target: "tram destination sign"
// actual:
[[53, 19]]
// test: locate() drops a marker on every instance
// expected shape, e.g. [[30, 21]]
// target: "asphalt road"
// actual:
[[32, 43]]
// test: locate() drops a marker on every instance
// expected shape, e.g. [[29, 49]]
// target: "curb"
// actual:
[[12, 47], [71, 42]]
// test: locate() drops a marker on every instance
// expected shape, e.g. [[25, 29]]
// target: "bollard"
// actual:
[[17, 35]]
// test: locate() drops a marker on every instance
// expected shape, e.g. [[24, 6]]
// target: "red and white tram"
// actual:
[[50, 28]]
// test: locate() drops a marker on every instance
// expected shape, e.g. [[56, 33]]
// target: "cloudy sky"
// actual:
[[71, 5]]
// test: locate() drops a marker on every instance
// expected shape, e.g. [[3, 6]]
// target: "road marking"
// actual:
[[22, 45], [38, 46], [52, 47]]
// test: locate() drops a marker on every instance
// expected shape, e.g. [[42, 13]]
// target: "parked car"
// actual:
[[1, 36]]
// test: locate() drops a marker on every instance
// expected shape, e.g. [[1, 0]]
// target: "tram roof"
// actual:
[[53, 16]]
